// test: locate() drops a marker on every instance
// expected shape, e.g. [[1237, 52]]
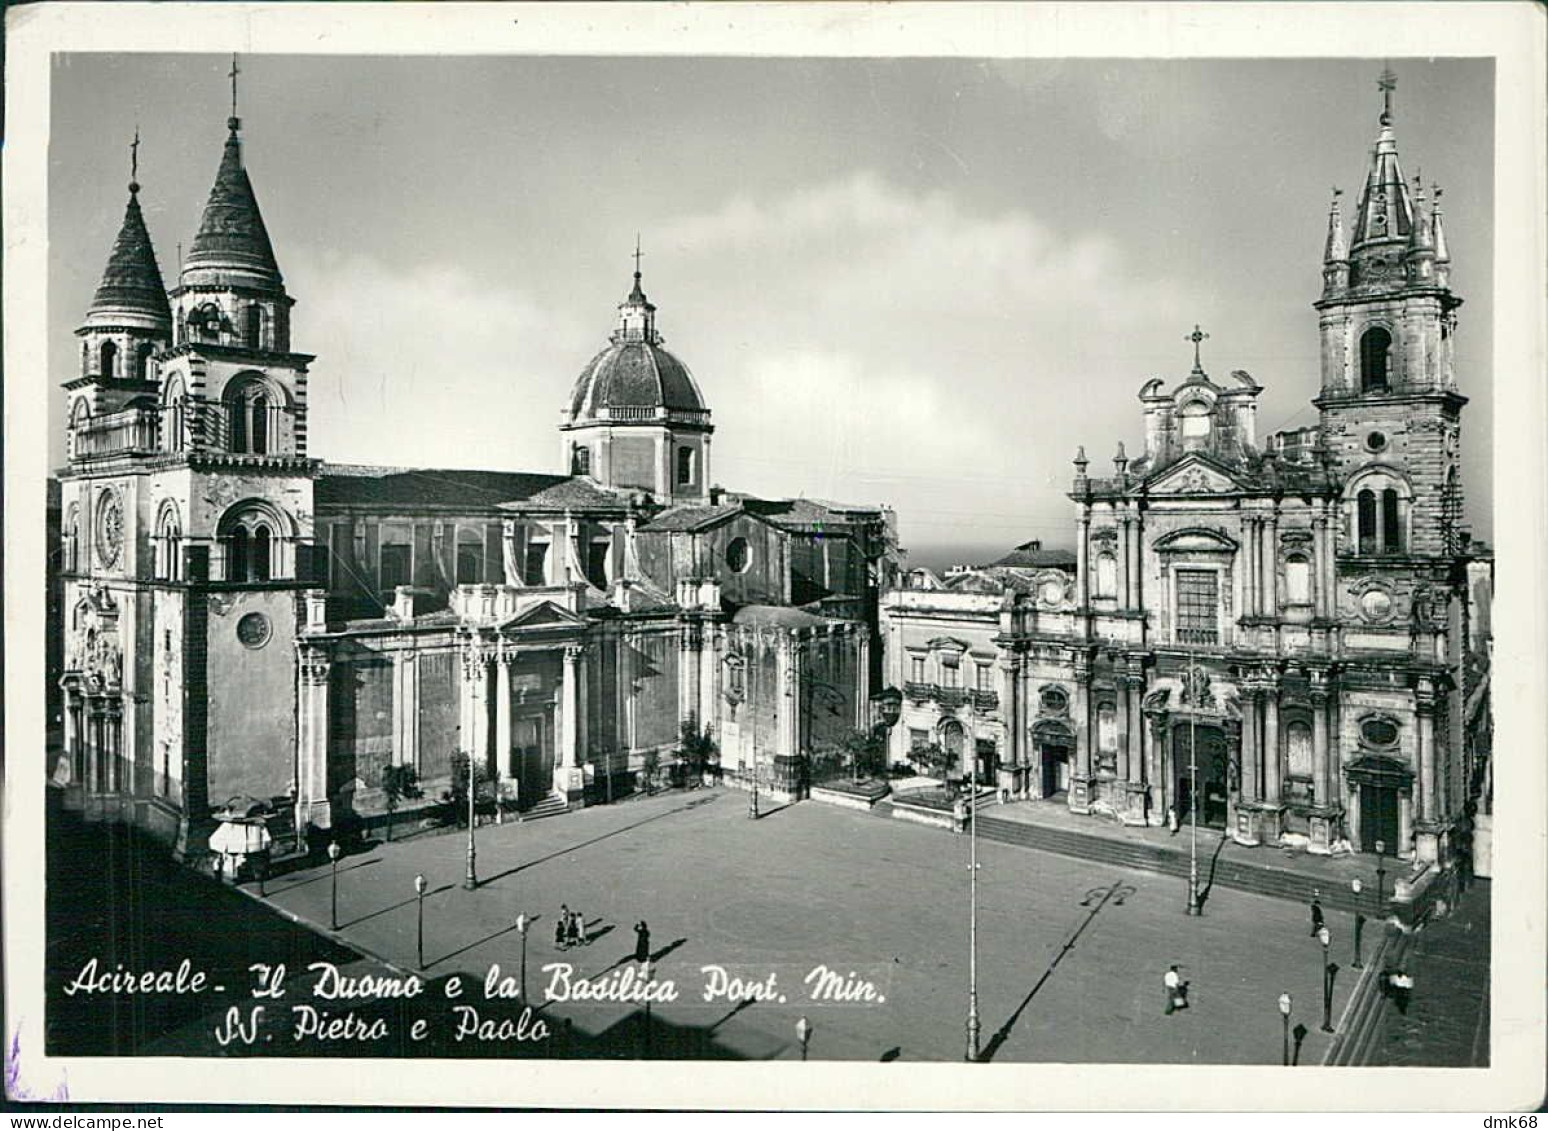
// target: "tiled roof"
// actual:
[[575, 493], [1030, 556], [689, 518], [634, 374], [359, 484], [231, 233], [132, 280]]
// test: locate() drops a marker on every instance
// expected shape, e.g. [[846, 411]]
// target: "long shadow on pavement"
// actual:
[[594, 840], [1116, 893]]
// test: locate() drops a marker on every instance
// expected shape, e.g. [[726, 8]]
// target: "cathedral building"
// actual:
[[245, 623], [1271, 632]]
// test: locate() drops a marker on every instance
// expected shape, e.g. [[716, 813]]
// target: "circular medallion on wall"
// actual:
[[738, 555], [1376, 441], [110, 527], [254, 630], [1376, 606], [1377, 730], [1051, 592], [1054, 700]]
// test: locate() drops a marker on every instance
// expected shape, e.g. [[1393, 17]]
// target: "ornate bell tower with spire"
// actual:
[[190, 495], [1389, 401]]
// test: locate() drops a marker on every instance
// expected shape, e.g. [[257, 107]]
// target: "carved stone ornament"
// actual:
[[110, 527], [1195, 688], [1197, 481], [1156, 702], [254, 630]]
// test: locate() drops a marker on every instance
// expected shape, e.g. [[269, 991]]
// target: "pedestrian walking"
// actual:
[[1316, 910], [1176, 990], [1171, 819], [574, 931], [1402, 984], [641, 942], [562, 927]]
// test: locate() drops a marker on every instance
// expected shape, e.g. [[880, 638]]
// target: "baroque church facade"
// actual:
[[245, 622], [1276, 629]]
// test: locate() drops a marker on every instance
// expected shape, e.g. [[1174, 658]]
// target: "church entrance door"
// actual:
[[532, 758], [1056, 769], [1204, 744], [1378, 817]]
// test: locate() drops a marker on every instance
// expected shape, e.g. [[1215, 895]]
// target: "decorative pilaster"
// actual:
[[1083, 556], [1123, 558], [1321, 820], [312, 802], [1080, 717], [1426, 805], [569, 778], [502, 766], [1271, 565], [1273, 761], [1250, 573]]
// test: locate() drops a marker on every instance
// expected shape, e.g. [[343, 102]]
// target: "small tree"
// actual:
[[398, 782], [936, 761], [864, 753], [457, 795], [650, 764], [696, 750]]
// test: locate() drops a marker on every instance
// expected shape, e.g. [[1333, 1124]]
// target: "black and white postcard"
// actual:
[[782, 556]]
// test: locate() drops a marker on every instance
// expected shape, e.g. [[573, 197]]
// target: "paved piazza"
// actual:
[[1070, 954]]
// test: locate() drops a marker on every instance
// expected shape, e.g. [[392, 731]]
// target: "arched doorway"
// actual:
[[1380, 782], [1055, 745], [1200, 753]]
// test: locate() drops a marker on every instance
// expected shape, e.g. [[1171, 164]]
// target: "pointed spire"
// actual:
[[1442, 252], [131, 283], [1420, 239], [232, 244], [1336, 250], [1385, 211]]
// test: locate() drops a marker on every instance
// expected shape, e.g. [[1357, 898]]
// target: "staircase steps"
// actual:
[[1260, 879], [550, 806]]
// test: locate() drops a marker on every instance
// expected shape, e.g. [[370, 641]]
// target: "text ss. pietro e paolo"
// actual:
[[329, 1013]]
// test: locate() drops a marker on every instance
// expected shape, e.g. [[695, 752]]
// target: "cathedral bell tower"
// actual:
[[1390, 410]]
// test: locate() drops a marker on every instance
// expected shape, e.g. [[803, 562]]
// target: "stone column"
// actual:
[[1329, 561], [1321, 780], [569, 719], [503, 713], [67, 703], [1250, 566], [475, 703], [1083, 556], [862, 677], [789, 670], [1123, 558], [313, 805], [1405, 825], [1160, 783], [1137, 571], [1319, 566], [1133, 686], [1424, 803], [1271, 566], [1080, 784], [1010, 712], [1251, 701], [1124, 721], [1272, 755]]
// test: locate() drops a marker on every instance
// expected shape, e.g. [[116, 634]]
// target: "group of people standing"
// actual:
[[569, 929]]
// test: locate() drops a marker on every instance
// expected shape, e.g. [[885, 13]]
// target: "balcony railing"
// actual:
[[986, 700], [1197, 636], [131, 431], [186, 427]]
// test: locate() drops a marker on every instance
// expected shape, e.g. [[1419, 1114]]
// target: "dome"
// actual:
[[634, 374], [635, 377]]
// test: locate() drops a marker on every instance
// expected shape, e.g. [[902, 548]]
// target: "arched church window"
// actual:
[[684, 466], [255, 326], [260, 427], [72, 540], [262, 561], [236, 412], [1365, 517], [1106, 575], [580, 460], [1391, 523], [1375, 360], [236, 555], [169, 545], [1298, 580], [107, 359], [142, 357]]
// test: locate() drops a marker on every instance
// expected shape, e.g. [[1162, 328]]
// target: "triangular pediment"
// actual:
[[1194, 476], [541, 615]]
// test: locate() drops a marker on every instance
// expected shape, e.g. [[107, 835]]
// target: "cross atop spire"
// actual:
[[232, 75], [638, 255], [1196, 337], [134, 161], [1387, 83]]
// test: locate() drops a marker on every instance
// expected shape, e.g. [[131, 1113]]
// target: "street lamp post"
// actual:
[[419, 893], [470, 881], [522, 924], [804, 1035], [1327, 981], [333, 858], [972, 1017], [1194, 907], [1381, 878], [1356, 887], [1284, 1016]]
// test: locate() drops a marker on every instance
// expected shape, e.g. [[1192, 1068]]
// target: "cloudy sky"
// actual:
[[919, 282]]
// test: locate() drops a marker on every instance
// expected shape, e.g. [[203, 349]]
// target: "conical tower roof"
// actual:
[[232, 244], [131, 284]]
